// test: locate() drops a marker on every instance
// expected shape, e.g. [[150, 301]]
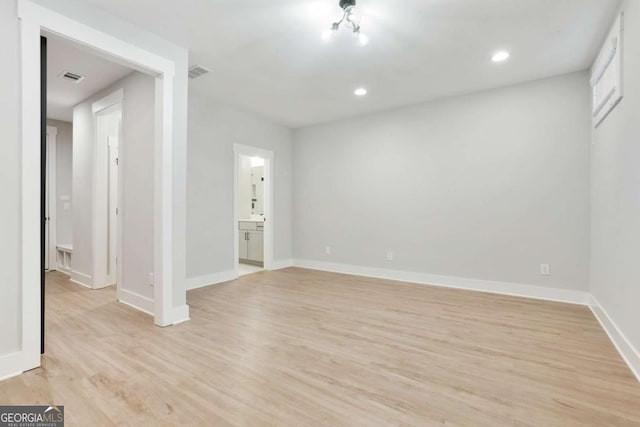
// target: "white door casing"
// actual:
[[114, 202], [107, 114], [36, 19]]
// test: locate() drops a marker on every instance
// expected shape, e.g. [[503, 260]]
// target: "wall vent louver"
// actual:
[[72, 77], [197, 71]]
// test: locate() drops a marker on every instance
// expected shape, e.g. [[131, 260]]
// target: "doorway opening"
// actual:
[[36, 21], [253, 218], [82, 181], [251, 215]]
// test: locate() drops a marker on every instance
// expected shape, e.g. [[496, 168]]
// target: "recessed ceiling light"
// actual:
[[360, 91], [500, 56]]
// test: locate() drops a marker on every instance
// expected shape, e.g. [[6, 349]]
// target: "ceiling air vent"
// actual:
[[72, 77], [197, 71]]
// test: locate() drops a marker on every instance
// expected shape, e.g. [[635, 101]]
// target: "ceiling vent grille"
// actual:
[[197, 71], [72, 77]]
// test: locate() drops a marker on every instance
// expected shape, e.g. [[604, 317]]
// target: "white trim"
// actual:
[[514, 289], [137, 301], [11, 365], [628, 352], [105, 44], [269, 173], [181, 314], [210, 279], [31, 174], [163, 204], [110, 100], [12, 359], [52, 179], [110, 104], [81, 279], [282, 263]]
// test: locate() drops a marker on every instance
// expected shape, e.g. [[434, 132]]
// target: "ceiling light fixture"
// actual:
[[352, 18], [360, 91], [500, 56]]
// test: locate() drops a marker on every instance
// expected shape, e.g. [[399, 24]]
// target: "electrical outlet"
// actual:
[[389, 255], [150, 279], [327, 250], [545, 270]]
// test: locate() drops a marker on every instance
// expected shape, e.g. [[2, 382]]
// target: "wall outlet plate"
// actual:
[[389, 255], [327, 250], [545, 270]]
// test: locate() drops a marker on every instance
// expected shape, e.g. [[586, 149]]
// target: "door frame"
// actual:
[[101, 278], [268, 156], [52, 200], [36, 20]]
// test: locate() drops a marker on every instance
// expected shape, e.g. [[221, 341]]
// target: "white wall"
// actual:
[[136, 171], [64, 155], [10, 301], [615, 195], [213, 129], [486, 186]]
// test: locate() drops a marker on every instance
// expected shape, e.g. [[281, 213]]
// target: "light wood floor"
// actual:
[[306, 348]]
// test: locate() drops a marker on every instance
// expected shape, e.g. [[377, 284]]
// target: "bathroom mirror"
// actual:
[[257, 190]]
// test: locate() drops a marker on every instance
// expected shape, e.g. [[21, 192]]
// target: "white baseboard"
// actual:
[[282, 263], [210, 279], [226, 276], [628, 352], [505, 288], [63, 269], [136, 301], [11, 365], [181, 314], [81, 279]]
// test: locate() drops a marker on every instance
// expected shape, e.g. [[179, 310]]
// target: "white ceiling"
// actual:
[[63, 95], [267, 56]]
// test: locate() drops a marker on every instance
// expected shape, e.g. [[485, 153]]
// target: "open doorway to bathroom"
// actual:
[[251, 214], [253, 219]]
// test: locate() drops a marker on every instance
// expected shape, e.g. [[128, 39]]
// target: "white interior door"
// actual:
[[113, 209]]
